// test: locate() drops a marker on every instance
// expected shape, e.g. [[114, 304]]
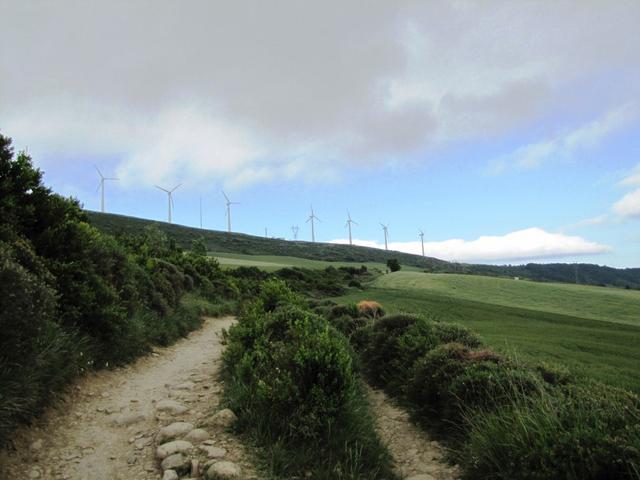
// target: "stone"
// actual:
[[127, 419], [141, 443], [223, 471], [224, 418], [422, 476], [34, 473], [170, 475], [197, 435], [174, 430], [195, 467], [177, 446], [177, 462], [213, 452], [171, 406], [37, 445], [183, 386], [131, 459]]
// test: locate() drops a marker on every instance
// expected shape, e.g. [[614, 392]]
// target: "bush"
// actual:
[[370, 309], [393, 264], [397, 341], [290, 379], [590, 432]]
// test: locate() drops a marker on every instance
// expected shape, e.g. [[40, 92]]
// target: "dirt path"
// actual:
[[417, 457], [106, 428]]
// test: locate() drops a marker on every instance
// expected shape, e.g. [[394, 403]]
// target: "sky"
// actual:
[[507, 132]]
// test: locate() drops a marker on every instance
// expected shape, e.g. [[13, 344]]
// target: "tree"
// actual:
[[393, 264]]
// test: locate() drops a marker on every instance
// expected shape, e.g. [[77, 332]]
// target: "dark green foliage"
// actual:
[[397, 341], [321, 283], [290, 378], [393, 264]]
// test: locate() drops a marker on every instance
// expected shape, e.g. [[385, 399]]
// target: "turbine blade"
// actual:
[[176, 187], [98, 187], [225, 196], [163, 189], [99, 172]]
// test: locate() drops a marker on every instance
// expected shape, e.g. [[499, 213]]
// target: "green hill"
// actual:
[[240, 243], [594, 331]]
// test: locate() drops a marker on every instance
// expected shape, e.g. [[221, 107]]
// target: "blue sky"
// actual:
[[507, 131]]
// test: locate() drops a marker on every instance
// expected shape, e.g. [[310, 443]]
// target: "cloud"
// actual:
[[629, 205], [246, 92], [568, 145], [633, 179], [587, 222], [522, 245]]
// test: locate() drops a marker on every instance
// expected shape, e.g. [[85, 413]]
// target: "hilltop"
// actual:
[[240, 243]]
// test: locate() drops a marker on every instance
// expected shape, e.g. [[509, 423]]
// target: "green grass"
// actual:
[[513, 317], [596, 303], [274, 262]]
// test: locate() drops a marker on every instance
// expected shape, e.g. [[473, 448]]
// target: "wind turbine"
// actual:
[[349, 222], [170, 197], [385, 229], [422, 240], [294, 229], [229, 203], [311, 218], [101, 187]]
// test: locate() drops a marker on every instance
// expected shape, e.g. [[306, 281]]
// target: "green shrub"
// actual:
[[290, 378], [585, 433], [398, 341]]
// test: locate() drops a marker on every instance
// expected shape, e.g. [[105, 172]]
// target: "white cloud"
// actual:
[[570, 144], [249, 91], [522, 245], [629, 205], [587, 222], [633, 179]]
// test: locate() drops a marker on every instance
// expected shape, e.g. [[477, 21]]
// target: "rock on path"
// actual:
[[110, 425], [417, 457]]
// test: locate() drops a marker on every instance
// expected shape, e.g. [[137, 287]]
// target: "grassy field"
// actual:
[[274, 262], [594, 331]]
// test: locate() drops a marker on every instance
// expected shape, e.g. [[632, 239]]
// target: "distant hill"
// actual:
[[223, 242]]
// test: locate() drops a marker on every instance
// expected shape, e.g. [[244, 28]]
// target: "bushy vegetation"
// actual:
[[74, 299], [290, 378], [501, 418]]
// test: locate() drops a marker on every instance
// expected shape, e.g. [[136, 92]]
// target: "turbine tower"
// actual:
[[101, 187], [295, 229], [385, 229], [349, 222], [422, 240], [229, 203], [311, 218], [170, 197]]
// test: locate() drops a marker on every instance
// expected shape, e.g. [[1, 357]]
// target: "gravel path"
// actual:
[[106, 428], [417, 457]]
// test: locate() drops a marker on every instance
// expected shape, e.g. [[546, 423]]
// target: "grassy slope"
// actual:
[[510, 319], [274, 262], [596, 303]]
